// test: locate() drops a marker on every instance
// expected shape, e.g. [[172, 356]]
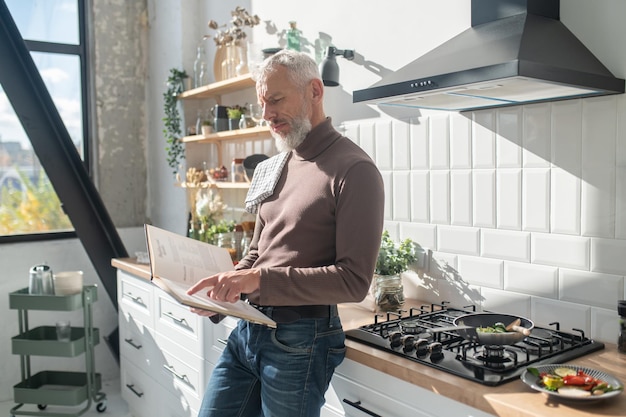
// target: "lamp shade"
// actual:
[[330, 71]]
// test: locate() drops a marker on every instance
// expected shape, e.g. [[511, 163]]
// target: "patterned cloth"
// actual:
[[264, 180]]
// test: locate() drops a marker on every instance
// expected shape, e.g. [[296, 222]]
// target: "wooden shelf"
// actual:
[[251, 132], [216, 89], [216, 184]]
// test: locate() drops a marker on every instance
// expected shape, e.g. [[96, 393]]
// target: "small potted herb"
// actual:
[[393, 259], [234, 115], [207, 127]]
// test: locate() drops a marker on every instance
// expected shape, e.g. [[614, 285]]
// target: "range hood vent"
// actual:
[[516, 52]]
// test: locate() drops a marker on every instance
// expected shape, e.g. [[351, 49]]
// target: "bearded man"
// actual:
[[319, 206]]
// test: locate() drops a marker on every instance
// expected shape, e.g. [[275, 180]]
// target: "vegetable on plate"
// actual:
[[572, 382]]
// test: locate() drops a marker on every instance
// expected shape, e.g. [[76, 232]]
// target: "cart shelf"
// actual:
[[42, 341], [22, 300], [57, 388]]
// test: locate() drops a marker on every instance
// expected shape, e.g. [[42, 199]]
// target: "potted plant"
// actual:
[[207, 127], [234, 114], [393, 259], [172, 120]]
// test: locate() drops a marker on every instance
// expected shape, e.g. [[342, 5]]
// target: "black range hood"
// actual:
[[516, 52]]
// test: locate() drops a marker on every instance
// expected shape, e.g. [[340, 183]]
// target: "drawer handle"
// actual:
[[171, 370], [132, 388], [223, 341], [182, 321], [136, 299], [130, 342], [358, 406]]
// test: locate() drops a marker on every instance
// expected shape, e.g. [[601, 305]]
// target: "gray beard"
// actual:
[[301, 128]]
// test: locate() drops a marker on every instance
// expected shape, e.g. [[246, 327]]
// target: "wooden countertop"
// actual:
[[513, 399]]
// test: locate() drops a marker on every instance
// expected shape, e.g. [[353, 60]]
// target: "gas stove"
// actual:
[[406, 334]]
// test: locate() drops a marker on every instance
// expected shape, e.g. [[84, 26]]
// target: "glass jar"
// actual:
[[388, 292], [621, 338], [227, 241], [245, 243], [237, 171]]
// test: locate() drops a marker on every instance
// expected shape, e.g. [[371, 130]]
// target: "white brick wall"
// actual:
[[524, 207]]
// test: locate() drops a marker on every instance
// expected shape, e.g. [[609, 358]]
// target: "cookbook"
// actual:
[[178, 262]]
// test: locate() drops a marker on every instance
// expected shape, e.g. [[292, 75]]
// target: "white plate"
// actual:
[[534, 382]]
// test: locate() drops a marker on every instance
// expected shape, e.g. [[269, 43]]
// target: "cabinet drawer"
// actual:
[[138, 390], [386, 395], [137, 344], [362, 398], [221, 331], [180, 372], [176, 322], [135, 297]]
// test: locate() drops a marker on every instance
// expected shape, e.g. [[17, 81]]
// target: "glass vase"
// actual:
[[229, 63], [388, 292]]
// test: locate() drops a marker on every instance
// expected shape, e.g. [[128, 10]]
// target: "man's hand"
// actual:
[[228, 286]]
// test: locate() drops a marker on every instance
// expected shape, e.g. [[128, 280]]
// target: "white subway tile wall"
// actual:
[[523, 207]]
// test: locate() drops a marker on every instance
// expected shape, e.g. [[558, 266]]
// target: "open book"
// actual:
[[178, 262]]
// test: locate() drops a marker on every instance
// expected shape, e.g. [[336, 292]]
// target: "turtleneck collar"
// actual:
[[317, 141]]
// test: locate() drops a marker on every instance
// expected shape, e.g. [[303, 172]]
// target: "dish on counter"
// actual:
[[535, 381]]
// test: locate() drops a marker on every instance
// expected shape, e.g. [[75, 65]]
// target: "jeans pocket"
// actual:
[[333, 359], [293, 339]]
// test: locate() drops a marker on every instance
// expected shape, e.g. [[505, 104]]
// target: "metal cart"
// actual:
[[60, 388]]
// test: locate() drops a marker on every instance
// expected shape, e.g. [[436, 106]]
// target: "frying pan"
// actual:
[[468, 323]]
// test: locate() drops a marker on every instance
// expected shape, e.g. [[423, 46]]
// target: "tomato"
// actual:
[[579, 380]]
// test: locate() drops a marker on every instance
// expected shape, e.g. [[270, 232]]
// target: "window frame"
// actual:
[[82, 51]]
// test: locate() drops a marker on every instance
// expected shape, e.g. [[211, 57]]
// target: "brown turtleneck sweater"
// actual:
[[317, 237]]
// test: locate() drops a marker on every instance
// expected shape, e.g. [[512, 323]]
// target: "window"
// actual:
[[54, 32]]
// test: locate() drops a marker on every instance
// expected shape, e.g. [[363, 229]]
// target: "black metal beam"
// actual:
[[57, 154]]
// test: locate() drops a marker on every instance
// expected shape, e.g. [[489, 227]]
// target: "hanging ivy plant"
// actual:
[[172, 131]]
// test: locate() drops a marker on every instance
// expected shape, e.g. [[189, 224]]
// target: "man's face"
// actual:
[[286, 108]]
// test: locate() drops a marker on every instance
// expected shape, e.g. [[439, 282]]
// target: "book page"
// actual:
[[177, 262], [182, 259], [239, 309]]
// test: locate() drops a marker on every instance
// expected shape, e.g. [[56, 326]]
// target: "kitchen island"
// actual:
[[513, 399]]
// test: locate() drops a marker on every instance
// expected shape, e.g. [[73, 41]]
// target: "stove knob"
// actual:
[[436, 357], [435, 348], [421, 346], [395, 339], [408, 343]]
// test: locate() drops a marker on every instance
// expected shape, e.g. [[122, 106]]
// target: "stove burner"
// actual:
[[540, 340], [542, 337], [411, 327], [493, 355]]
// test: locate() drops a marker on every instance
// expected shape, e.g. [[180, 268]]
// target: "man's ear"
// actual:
[[317, 89]]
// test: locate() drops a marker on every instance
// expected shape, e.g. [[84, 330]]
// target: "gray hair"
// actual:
[[300, 67]]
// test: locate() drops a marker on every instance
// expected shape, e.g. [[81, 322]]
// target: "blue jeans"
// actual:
[[282, 372]]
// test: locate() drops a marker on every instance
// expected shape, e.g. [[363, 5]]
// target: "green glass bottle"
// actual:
[[293, 37]]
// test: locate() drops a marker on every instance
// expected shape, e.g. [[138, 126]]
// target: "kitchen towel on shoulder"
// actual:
[[266, 176]]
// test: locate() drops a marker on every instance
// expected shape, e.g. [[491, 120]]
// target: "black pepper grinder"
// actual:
[[621, 340]]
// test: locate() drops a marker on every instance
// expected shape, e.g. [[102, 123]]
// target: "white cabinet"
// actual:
[[361, 391], [167, 352]]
